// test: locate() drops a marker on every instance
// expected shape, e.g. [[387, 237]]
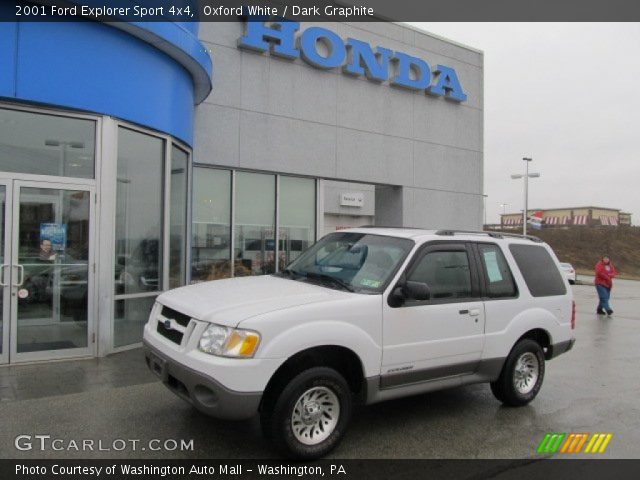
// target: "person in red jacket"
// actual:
[[605, 272]]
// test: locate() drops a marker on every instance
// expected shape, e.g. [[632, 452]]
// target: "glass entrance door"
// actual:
[[5, 264], [47, 270]]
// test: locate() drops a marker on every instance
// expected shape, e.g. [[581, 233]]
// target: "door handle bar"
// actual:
[[2, 284], [21, 270]]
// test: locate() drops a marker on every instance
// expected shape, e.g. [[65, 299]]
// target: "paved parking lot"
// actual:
[[594, 388]]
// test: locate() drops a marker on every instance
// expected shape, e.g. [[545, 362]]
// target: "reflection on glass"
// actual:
[[297, 227], [53, 250], [254, 249], [211, 243], [4, 278], [178, 221], [46, 144], [138, 213], [130, 315]]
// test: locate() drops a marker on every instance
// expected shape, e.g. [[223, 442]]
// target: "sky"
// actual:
[[565, 94]]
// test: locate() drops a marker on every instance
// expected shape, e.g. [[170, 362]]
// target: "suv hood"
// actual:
[[230, 301]]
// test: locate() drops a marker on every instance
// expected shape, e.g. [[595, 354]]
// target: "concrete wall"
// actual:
[[268, 113]]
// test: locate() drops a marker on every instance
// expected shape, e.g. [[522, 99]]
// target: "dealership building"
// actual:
[[140, 157]]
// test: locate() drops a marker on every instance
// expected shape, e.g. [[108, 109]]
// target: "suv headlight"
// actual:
[[229, 342]]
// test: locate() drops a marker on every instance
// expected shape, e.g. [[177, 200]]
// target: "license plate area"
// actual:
[[157, 366]]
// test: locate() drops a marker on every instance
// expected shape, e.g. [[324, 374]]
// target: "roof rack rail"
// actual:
[[489, 234]]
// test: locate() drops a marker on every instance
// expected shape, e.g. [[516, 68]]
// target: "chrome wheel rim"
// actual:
[[526, 372], [315, 415]]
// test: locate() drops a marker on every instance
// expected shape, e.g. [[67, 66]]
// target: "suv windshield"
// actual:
[[356, 262]]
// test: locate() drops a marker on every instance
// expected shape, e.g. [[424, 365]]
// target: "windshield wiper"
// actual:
[[336, 281]]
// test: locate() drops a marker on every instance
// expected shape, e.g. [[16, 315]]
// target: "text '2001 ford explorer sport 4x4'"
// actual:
[[364, 315]]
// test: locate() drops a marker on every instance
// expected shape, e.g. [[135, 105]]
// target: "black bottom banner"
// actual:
[[339, 469]]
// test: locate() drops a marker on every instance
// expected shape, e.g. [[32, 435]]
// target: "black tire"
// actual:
[[497, 392], [276, 414], [504, 389]]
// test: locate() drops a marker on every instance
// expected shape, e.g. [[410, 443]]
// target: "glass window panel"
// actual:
[[254, 224], [139, 191], [53, 250], [446, 273], [130, 316], [178, 220], [539, 270], [497, 274], [4, 277], [297, 217], [46, 144], [211, 228]]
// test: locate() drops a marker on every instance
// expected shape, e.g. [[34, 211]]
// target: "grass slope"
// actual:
[[583, 247]]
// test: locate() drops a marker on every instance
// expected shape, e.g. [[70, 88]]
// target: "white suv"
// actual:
[[364, 315]]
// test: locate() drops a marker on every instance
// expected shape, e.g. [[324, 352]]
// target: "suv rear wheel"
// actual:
[[309, 418], [522, 374]]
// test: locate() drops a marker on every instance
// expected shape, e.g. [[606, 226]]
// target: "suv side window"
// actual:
[[498, 278], [539, 270], [447, 274]]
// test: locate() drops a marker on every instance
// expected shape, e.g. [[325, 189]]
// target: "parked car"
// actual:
[[569, 272], [362, 316]]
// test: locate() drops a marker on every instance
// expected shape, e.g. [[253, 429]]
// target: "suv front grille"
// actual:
[[180, 318], [173, 335]]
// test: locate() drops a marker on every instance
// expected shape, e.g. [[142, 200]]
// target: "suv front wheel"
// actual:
[[310, 416], [522, 374]]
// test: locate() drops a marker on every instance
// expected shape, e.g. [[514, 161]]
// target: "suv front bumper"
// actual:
[[203, 392]]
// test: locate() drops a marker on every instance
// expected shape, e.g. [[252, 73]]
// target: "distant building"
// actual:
[[569, 217]]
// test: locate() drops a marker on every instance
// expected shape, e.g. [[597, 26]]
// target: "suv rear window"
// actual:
[[539, 270], [497, 275]]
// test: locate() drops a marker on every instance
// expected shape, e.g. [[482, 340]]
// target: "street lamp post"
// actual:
[[526, 176], [504, 211], [485, 210]]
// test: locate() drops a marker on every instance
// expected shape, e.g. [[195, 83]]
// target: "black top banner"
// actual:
[[319, 10]]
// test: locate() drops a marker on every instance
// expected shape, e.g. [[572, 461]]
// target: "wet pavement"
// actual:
[[593, 388]]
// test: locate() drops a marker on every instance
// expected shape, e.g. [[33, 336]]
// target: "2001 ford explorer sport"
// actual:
[[364, 315]]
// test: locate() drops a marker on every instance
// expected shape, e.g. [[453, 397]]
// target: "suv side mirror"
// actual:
[[409, 290], [416, 291]]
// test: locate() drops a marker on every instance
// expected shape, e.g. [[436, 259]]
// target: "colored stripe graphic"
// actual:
[[574, 442], [598, 442], [551, 442]]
